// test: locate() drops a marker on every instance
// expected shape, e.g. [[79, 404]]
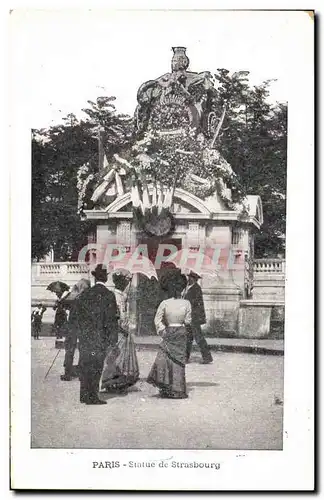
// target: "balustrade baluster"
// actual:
[[269, 266]]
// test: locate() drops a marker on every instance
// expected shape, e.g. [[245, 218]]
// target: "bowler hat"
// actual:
[[100, 272]]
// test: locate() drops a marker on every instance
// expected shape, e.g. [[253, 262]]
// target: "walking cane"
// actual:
[[58, 352]]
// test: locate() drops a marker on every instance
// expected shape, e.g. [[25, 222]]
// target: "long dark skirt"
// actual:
[[168, 370], [120, 369]]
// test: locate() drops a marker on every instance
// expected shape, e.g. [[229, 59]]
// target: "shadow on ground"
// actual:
[[202, 384]]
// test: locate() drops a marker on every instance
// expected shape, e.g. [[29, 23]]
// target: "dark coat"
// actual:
[[195, 297], [71, 333], [60, 315], [37, 317], [95, 321]]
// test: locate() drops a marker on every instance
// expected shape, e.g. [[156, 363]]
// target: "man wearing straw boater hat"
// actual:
[[193, 293], [97, 321]]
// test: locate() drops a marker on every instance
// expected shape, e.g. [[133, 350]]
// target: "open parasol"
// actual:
[[58, 287]]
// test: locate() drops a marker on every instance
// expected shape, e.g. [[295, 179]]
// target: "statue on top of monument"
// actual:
[[177, 122], [176, 99]]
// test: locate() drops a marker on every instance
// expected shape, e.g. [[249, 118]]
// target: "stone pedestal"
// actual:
[[222, 306], [261, 319], [269, 287]]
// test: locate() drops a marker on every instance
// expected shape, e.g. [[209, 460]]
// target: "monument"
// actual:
[[172, 186]]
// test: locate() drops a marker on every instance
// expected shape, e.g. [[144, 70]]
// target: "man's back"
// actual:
[[195, 297], [97, 318]]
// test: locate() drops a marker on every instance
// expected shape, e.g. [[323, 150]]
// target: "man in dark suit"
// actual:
[[97, 326], [193, 293]]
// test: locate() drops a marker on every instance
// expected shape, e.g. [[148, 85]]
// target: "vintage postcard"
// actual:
[[161, 330]]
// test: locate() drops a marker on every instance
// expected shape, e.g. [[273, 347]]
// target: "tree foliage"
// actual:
[[254, 142], [57, 154]]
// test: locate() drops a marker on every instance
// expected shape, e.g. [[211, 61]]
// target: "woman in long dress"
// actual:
[[120, 369], [171, 321]]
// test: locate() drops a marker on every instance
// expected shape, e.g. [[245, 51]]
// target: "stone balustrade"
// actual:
[[59, 270], [43, 273], [269, 266], [63, 268], [71, 270], [268, 279]]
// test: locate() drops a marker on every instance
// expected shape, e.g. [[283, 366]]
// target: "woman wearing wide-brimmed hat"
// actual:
[[171, 320]]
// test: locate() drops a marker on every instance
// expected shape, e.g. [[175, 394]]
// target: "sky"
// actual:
[[66, 57]]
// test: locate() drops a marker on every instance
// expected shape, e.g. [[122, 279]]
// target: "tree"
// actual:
[[254, 142], [112, 128], [55, 219], [41, 245], [57, 155]]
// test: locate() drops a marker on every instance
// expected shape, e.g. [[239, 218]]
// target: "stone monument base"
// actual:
[[261, 319], [222, 306]]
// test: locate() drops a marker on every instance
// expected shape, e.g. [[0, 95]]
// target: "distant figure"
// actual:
[[193, 293], [36, 319], [97, 327], [71, 338], [171, 321]]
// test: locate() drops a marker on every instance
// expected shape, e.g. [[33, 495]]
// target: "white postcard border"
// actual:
[[291, 468]]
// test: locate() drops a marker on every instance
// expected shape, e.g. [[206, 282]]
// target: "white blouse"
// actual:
[[172, 312]]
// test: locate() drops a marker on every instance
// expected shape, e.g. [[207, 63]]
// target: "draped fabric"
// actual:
[[173, 344], [168, 370], [121, 366]]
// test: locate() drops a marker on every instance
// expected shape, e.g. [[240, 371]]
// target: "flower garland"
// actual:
[[170, 158], [171, 153], [169, 117], [83, 180]]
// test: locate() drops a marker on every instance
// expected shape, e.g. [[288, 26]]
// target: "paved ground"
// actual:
[[258, 346], [235, 403]]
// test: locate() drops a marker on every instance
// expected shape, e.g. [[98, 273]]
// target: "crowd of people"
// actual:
[[98, 324]]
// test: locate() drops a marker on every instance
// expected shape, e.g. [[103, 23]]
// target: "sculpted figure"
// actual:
[[174, 98]]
